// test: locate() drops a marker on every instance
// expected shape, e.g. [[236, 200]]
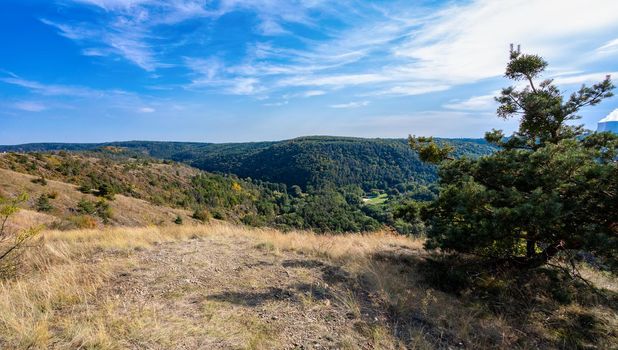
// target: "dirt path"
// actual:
[[222, 292]]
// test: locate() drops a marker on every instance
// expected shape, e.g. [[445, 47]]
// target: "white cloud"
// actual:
[[57, 90], [394, 48], [94, 52], [311, 93], [589, 78], [121, 37], [111, 5], [411, 89], [146, 110], [127, 29], [612, 117], [334, 80], [356, 104], [276, 104], [244, 86], [610, 46], [466, 43], [476, 103], [29, 106]]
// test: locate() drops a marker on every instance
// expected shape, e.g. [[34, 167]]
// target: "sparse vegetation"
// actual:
[[12, 241]]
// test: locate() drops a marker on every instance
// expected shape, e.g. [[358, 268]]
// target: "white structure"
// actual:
[[609, 123]]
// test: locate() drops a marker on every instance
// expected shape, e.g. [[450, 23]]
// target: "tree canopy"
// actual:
[[551, 187]]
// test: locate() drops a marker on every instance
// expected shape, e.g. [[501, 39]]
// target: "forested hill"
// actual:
[[306, 161]]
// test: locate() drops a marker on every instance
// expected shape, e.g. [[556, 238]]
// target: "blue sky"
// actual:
[[236, 70]]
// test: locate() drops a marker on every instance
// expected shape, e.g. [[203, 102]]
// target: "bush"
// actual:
[[85, 206], [43, 204], [103, 210], [99, 208], [106, 191], [178, 220], [83, 221], [201, 214], [85, 188]]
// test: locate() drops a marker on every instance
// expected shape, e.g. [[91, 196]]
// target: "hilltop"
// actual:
[[305, 161]]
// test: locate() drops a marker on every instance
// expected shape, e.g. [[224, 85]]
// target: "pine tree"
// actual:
[[551, 187]]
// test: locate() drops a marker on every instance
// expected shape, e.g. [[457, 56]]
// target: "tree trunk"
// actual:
[[530, 248], [543, 257]]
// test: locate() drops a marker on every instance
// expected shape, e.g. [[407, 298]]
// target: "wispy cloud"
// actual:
[[29, 106], [146, 110], [476, 103], [335, 80], [277, 104], [311, 93], [120, 37], [466, 43], [411, 89], [609, 47], [57, 90], [355, 104], [587, 78]]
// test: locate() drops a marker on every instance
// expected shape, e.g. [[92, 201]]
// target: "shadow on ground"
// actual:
[[549, 308]]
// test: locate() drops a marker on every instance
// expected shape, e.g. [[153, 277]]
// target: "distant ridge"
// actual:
[[304, 161]]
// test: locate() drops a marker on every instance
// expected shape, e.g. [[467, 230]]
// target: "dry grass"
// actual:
[[126, 211], [57, 303]]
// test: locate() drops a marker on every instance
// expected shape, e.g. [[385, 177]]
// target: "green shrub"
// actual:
[[85, 188], [43, 204], [201, 214], [218, 215], [85, 206], [106, 191], [99, 208]]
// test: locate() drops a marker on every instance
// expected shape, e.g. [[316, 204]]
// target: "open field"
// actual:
[[230, 287], [379, 199]]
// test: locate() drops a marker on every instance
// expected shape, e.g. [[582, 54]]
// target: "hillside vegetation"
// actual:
[[306, 161], [319, 183], [67, 208], [99, 178]]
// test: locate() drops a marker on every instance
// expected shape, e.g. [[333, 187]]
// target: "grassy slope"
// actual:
[[223, 286], [153, 181], [127, 211]]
